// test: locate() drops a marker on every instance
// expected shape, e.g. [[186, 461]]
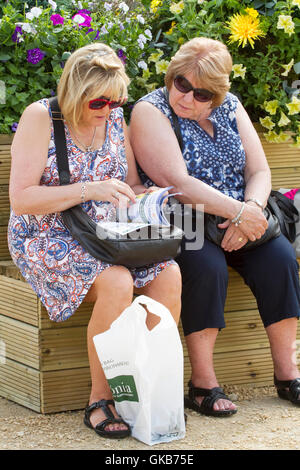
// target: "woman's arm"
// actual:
[[133, 179], [257, 177], [157, 151], [29, 158]]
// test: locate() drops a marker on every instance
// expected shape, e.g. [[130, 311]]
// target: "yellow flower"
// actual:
[[151, 87], [283, 137], [181, 41], [154, 5], [146, 74], [297, 143], [287, 68], [267, 122], [251, 12], [296, 3], [294, 106], [286, 23], [244, 28], [284, 120], [271, 136], [271, 106], [172, 27], [267, 88], [155, 56], [238, 70], [177, 7], [161, 66]]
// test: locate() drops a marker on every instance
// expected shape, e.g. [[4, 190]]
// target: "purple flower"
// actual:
[[16, 35], [122, 27], [57, 19], [121, 54], [90, 30], [34, 56], [87, 12], [86, 20], [14, 127]]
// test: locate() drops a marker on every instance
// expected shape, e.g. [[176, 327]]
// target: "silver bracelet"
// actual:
[[83, 191], [256, 201], [237, 219]]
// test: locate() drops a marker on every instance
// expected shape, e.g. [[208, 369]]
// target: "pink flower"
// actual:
[[57, 19], [85, 22]]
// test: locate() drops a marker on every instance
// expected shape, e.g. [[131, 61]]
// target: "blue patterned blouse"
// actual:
[[218, 161]]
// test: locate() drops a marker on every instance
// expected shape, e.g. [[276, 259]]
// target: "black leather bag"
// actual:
[[151, 244]]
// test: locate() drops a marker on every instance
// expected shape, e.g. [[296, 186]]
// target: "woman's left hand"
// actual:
[[234, 239]]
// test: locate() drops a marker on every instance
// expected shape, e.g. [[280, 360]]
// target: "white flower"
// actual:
[[29, 16], [78, 19], [140, 19], [142, 65], [80, 7], [124, 7], [142, 39], [36, 11], [148, 33], [107, 6], [53, 4], [109, 25], [141, 44], [27, 27]]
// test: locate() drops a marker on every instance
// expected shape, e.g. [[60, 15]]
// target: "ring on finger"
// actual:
[[241, 239]]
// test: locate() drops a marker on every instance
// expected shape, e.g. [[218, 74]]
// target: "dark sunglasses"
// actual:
[[101, 102], [184, 86]]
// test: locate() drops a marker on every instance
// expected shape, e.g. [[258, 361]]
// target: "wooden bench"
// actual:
[[45, 366]]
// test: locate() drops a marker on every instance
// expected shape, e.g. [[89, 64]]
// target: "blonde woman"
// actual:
[[91, 90], [222, 166]]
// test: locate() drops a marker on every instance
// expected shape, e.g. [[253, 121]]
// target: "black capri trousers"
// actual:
[[270, 270]]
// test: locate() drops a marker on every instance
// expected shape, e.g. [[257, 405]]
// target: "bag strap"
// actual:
[[60, 142], [175, 120]]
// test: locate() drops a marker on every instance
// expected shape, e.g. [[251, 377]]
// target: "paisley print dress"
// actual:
[[218, 161], [58, 269]]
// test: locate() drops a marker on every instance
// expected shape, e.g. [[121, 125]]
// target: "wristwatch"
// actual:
[[257, 202]]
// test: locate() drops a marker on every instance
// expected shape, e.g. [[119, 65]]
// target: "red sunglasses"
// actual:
[[101, 102], [184, 86]]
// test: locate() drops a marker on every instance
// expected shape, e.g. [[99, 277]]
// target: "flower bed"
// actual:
[[262, 36]]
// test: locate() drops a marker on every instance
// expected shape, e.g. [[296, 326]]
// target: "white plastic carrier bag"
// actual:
[[144, 370]]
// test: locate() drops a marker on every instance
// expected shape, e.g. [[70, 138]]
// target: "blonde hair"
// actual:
[[90, 72], [209, 61]]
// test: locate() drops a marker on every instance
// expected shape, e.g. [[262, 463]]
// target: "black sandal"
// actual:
[[100, 428], [206, 407], [288, 390]]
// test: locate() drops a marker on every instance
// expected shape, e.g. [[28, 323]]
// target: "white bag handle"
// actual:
[[156, 308]]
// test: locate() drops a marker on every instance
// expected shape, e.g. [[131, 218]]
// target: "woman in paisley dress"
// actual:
[[222, 166], [103, 174]]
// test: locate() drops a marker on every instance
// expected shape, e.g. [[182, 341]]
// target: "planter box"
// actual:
[[5, 143], [45, 365]]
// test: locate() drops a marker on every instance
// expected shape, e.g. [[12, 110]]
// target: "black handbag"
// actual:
[[141, 247], [280, 212]]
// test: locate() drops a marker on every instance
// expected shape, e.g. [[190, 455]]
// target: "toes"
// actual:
[[223, 405]]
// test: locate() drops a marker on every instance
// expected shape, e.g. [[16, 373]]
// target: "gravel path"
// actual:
[[263, 422]]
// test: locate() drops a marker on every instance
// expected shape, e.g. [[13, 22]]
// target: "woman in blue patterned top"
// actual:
[[222, 166]]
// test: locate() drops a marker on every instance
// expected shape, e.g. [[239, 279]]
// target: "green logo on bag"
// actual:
[[123, 388]]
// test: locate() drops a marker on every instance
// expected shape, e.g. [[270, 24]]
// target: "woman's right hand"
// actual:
[[253, 222], [112, 190]]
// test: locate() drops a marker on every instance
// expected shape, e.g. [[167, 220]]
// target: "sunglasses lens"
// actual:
[[203, 96], [182, 84], [97, 104], [114, 104]]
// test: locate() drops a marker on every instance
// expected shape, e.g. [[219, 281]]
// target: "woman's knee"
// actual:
[[115, 282]]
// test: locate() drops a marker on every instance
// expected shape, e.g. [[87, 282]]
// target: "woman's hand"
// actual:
[[112, 190], [233, 239]]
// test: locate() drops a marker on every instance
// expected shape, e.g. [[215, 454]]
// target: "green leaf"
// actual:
[[297, 67], [4, 57]]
